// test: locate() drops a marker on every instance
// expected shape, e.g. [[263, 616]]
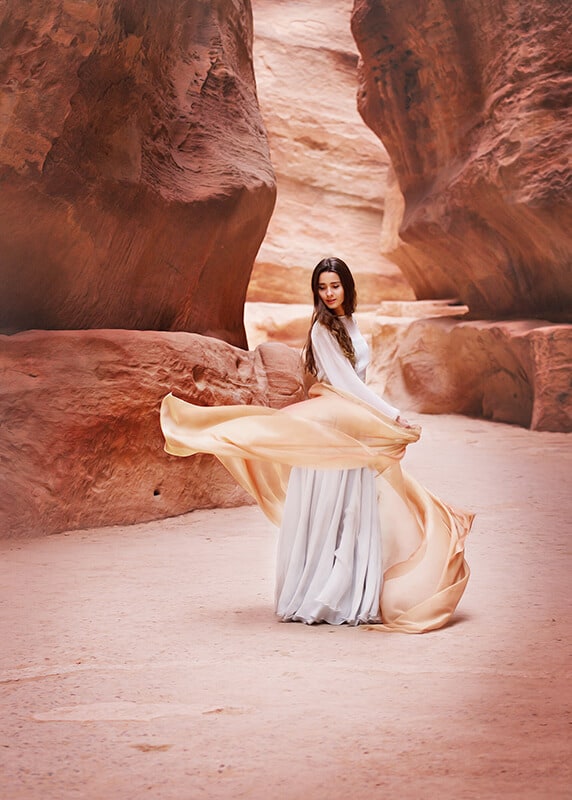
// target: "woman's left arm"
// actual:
[[339, 372]]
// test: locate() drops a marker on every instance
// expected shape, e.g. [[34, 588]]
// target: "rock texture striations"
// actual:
[[330, 168], [136, 180], [470, 100], [81, 444]]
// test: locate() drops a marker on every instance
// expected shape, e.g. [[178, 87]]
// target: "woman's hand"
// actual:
[[405, 423]]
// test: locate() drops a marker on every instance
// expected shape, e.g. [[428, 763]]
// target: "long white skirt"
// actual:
[[329, 562]]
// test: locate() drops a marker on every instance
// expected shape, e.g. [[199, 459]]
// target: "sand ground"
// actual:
[[145, 661]]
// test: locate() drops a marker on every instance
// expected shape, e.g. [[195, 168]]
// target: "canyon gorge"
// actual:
[[143, 150]]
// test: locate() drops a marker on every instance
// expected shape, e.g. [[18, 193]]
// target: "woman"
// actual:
[[329, 550], [360, 541]]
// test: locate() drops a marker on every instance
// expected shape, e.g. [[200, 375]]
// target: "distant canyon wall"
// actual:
[[330, 168], [471, 102], [136, 183]]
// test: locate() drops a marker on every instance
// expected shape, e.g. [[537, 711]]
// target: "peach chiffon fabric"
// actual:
[[424, 569]]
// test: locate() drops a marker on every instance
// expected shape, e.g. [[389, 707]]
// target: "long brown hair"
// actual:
[[323, 316]]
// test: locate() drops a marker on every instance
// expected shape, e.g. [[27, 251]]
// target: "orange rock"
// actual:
[[468, 98], [81, 443], [136, 180]]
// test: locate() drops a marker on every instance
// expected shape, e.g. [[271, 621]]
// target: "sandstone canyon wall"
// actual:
[[81, 444], [471, 100], [135, 174], [515, 371], [135, 189], [330, 168]]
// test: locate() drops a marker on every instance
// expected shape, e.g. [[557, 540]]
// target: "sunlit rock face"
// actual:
[[469, 100], [514, 371], [81, 443], [136, 184], [330, 167]]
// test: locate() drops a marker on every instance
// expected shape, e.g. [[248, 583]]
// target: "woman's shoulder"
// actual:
[[316, 327], [319, 330]]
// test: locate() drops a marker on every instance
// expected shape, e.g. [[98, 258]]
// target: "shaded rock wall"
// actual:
[[80, 442], [330, 168], [136, 185], [471, 102]]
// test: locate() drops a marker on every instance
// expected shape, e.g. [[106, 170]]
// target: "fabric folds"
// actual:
[[425, 572]]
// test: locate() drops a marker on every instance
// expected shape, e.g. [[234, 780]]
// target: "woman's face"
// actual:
[[331, 292]]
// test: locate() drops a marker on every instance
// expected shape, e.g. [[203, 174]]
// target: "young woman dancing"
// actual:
[[360, 541]]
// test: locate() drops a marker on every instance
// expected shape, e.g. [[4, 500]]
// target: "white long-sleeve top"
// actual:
[[334, 368]]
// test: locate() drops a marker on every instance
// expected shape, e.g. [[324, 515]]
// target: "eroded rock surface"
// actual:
[[136, 185], [470, 101], [330, 168], [518, 372], [79, 413]]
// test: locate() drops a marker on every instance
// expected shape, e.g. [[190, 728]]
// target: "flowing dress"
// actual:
[[329, 562], [327, 470]]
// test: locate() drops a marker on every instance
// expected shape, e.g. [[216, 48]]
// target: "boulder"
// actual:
[[470, 101], [136, 184], [81, 444], [518, 371], [330, 167]]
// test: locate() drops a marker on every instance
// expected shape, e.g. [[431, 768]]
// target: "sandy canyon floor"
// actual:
[[145, 661]]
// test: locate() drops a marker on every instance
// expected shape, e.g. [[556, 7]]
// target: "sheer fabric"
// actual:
[[422, 538], [329, 564], [334, 368], [329, 560]]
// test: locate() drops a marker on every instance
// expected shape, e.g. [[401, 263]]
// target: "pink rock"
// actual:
[[469, 98], [330, 167], [136, 180], [518, 372], [81, 443]]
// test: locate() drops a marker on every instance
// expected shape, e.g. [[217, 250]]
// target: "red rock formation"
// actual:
[[136, 185], [470, 101], [517, 372], [330, 167], [81, 444]]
